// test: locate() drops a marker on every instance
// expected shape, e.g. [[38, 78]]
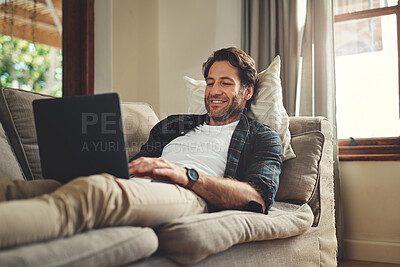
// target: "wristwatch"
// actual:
[[193, 176]]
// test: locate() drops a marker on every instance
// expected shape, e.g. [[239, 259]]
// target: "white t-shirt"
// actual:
[[205, 148]]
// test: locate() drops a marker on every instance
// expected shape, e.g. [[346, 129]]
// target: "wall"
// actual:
[[135, 51], [371, 205], [189, 31]]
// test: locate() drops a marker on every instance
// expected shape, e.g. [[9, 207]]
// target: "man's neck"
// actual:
[[225, 122]]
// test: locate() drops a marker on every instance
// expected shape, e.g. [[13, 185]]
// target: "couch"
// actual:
[[298, 231]]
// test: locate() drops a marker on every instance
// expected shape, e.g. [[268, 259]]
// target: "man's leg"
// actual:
[[94, 202], [21, 189]]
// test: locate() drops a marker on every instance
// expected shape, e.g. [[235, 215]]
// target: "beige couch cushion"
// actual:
[[299, 178], [112, 246], [138, 119], [9, 167], [17, 117], [190, 239]]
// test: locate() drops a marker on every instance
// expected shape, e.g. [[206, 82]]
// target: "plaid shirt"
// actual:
[[254, 155]]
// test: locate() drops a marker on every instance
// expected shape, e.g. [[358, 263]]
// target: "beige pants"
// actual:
[[93, 202]]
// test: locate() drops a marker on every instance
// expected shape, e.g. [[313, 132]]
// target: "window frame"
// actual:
[[78, 47], [369, 149], [372, 149]]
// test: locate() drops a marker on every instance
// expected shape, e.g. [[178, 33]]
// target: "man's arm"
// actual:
[[263, 164], [222, 193], [226, 193]]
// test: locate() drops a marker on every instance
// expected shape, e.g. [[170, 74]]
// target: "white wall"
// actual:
[[135, 59], [189, 31], [371, 206]]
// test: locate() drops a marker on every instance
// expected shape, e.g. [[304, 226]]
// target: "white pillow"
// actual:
[[267, 106], [195, 90]]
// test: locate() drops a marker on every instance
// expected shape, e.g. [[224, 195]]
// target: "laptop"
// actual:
[[80, 136]]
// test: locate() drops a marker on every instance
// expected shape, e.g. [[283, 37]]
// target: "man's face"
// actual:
[[225, 98]]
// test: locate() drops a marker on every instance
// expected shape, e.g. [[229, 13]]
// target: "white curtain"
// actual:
[[301, 32]]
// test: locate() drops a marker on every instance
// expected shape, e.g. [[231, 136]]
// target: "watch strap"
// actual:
[[191, 182]]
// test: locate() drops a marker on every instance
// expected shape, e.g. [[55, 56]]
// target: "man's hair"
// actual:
[[240, 60]]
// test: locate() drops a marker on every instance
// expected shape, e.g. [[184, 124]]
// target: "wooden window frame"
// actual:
[[78, 47], [372, 149]]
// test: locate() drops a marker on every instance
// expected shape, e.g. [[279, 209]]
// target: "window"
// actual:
[[35, 21], [367, 79], [30, 46]]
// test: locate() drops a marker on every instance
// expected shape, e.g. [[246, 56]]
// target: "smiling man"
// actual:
[[225, 96], [219, 160]]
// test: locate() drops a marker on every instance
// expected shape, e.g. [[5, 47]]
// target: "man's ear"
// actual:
[[248, 92]]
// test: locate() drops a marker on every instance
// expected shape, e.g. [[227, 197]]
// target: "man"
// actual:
[[220, 160]]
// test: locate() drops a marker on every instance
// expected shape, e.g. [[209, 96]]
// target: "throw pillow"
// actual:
[[267, 106], [110, 246], [16, 115], [299, 178], [190, 239]]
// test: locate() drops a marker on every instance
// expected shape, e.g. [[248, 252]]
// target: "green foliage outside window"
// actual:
[[28, 66]]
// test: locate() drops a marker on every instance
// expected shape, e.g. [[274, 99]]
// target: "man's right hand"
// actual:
[[158, 169]]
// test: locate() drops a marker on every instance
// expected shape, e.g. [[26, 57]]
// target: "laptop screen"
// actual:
[[80, 136]]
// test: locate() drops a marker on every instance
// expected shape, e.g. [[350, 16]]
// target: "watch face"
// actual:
[[193, 174]]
